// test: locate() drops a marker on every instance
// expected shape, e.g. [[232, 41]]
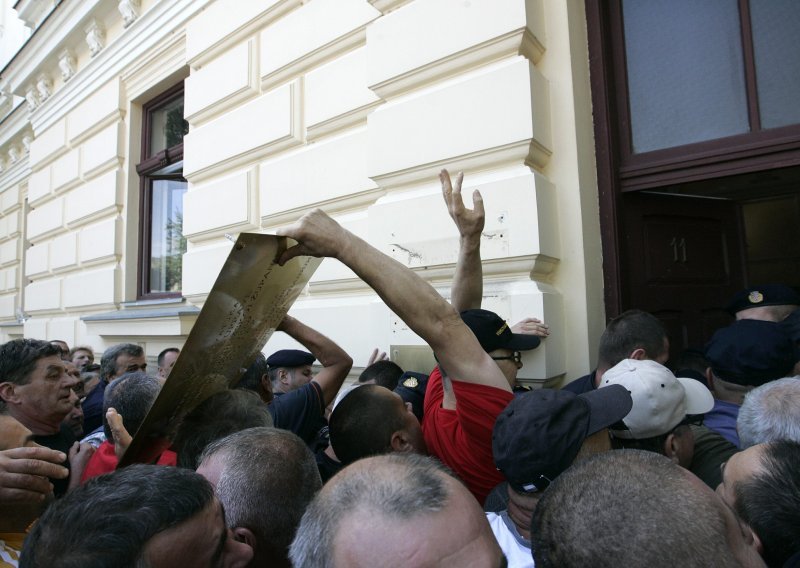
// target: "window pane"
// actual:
[[167, 126], [685, 71], [777, 52], [167, 243]]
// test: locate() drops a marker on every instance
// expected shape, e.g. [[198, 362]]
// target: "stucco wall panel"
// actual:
[[102, 149], [46, 219], [414, 137], [36, 327], [228, 79], [99, 196], [9, 225], [43, 295], [336, 91], [48, 144], [8, 306], [271, 119], [293, 43], [37, 259], [9, 252], [201, 267], [66, 171], [39, 185], [226, 18], [99, 241], [9, 199], [91, 287], [410, 46], [231, 201], [324, 172], [64, 251], [99, 107], [8, 278]]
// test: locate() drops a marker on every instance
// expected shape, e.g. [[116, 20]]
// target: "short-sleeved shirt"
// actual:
[[584, 384], [517, 549], [301, 411], [61, 441], [462, 438]]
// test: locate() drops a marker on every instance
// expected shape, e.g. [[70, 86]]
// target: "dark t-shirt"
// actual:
[[93, 407], [301, 411], [61, 441], [581, 385], [710, 451], [327, 467]]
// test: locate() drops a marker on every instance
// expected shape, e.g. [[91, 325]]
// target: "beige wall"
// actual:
[[348, 105]]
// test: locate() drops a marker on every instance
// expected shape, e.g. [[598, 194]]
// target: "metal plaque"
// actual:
[[251, 296]]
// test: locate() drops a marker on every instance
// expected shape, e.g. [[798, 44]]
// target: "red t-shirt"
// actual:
[[462, 438], [104, 460]]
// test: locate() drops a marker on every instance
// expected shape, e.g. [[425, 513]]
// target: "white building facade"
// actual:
[[348, 105]]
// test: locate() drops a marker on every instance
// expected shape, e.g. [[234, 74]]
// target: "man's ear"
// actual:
[[710, 379], [639, 354], [245, 535], [672, 447], [400, 442], [7, 393], [283, 376]]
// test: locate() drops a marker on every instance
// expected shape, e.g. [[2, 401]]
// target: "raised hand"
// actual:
[[470, 222], [317, 235], [531, 326], [122, 439], [377, 355]]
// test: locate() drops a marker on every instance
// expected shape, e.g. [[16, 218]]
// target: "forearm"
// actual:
[[335, 361], [467, 289]]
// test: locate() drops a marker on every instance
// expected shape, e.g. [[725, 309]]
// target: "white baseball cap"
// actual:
[[660, 400]]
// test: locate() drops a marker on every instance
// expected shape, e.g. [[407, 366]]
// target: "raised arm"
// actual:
[[467, 289], [410, 297], [335, 362]]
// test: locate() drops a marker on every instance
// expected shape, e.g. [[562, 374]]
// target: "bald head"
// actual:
[[354, 521]]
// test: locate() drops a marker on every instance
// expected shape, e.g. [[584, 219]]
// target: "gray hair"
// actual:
[[770, 412], [642, 501], [108, 362], [399, 486], [268, 479], [131, 395]]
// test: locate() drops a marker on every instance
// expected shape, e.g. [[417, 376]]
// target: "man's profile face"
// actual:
[[169, 361], [457, 535], [202, 541], [129, 364], [48, 395], [299, 376]]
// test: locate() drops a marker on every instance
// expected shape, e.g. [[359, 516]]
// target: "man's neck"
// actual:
[[520, 511], [36, 424]]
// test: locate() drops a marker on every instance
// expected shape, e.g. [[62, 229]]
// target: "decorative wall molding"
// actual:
[[95, 36], [129, 10], [67, 64], [32, 97], [44, 85]]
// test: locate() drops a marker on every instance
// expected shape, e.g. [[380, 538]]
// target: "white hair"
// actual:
[[770, 412]]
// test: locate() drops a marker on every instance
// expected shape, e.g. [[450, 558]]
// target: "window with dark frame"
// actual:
[[701, 88], [162, 186]]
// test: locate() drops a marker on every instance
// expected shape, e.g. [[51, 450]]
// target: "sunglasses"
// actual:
[[516, 357]]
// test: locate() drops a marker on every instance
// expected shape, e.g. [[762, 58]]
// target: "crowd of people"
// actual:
[[634, 464]]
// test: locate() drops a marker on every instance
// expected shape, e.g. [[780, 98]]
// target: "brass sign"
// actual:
[[251, 296]]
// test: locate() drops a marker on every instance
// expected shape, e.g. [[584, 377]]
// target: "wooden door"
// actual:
[[682, 260]]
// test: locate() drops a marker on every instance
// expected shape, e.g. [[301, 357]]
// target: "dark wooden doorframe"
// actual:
[[607, 76]]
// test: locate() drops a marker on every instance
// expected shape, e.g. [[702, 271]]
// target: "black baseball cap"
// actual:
[[751, 352], [539, 434], [493, 332]]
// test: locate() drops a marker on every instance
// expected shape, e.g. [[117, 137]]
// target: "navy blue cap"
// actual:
[[751, 352], [411, 388], [766, 295], [290, 358], [493, 332], [540, 433]]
